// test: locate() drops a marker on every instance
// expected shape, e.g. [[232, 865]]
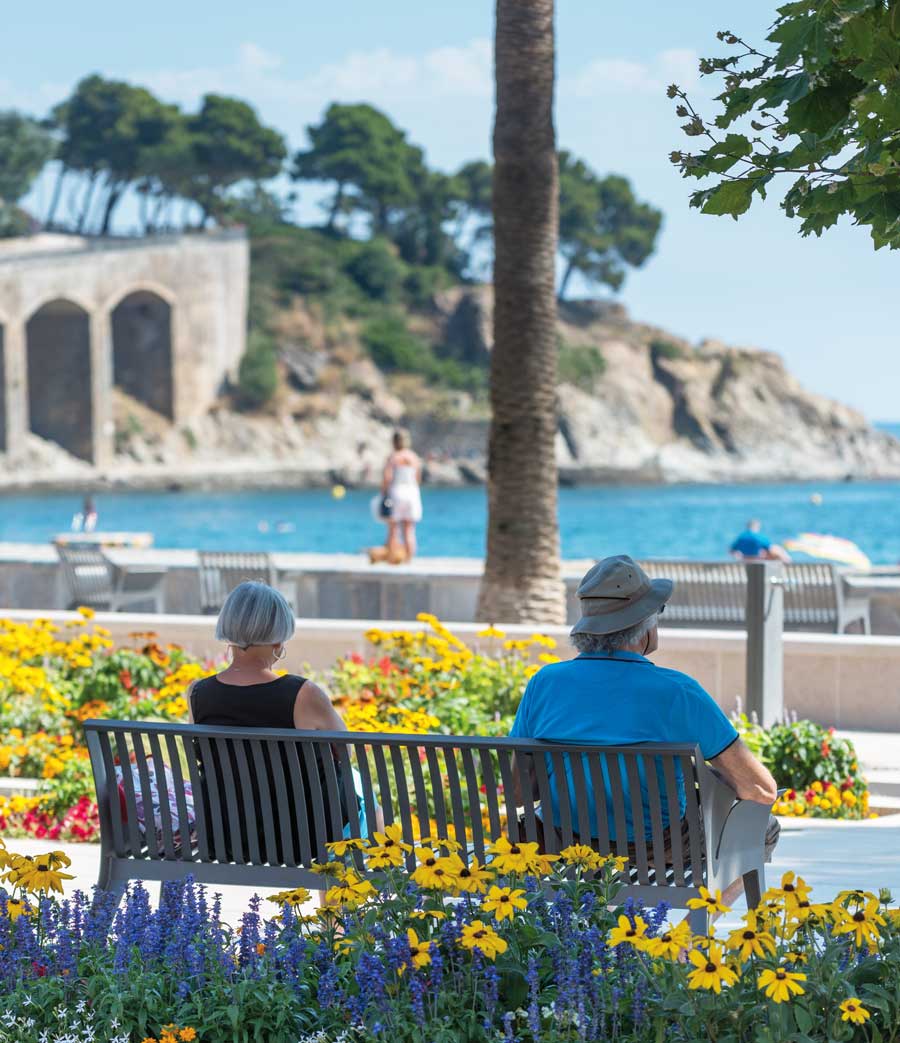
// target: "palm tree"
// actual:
[[522, 574]]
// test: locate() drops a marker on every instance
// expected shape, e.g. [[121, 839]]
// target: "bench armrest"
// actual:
[[735, 831]]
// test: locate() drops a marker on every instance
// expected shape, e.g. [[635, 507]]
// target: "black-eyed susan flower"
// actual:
[[710, 970], [298, 896], [750, 940], [477, 935], [671, 943], [863, 924], [712, 903], [434, 871], [628, 932], [581, 856], [473, 878], [780, 984], [792, 886], [419, 950], [854, 1012], [351, 891], [503, 902]]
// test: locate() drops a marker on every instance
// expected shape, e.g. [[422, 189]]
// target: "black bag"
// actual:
[[387, 507]]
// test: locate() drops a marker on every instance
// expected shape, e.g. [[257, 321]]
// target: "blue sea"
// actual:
[[645, 521]]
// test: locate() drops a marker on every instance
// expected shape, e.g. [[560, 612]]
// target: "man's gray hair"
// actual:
[[255, 614], [588, 644]]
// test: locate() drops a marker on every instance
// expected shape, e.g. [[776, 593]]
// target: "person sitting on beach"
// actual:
[[255, 623], [753, 545], [611, 694]]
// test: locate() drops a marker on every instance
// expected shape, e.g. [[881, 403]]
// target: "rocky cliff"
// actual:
[[635, 404]]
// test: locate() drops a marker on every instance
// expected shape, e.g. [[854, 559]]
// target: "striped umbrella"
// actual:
[[828, 548]]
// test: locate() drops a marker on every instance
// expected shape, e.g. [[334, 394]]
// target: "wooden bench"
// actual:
[[714, 594], [248, 784]]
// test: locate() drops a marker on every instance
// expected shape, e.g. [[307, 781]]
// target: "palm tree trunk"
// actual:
[[522, 580]]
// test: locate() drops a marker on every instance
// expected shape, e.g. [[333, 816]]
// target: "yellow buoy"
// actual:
[[338, 492]]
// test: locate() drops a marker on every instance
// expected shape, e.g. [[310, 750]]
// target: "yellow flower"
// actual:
[[428, 914], [473, 878], [299, 896], [492, 631], [582, 856], [862, 924], [792, 886], [712, 903], [41, 872], [434, 871], [711, 971], [781, 985], [628, 932], [853, 1011], [341, 847], [503, 902], [85, 612], [392, 837], [351, 891], [817, 787], [478, 935], [750, 941], [16, 907], [671, 943], [419, 953], [519, 858], [384, 857], [849, 798]]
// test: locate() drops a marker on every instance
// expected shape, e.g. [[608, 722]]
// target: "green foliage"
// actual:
[[394, 349], [580, 364], [375, 268], [422, 282], [25, 146], [603, 228], [820, 106], [660, 348], [372, 164], [258, 373]]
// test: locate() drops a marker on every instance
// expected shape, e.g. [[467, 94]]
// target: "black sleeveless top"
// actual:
[[266, 705]]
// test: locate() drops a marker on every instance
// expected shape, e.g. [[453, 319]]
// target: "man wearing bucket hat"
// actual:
[[611, 694]]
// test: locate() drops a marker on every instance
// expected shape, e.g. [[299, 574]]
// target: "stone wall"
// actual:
[[199, 282]]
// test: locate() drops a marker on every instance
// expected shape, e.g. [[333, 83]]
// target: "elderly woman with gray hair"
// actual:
[[255, 623]]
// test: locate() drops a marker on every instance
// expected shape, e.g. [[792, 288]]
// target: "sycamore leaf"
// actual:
[[825, 107], [731, 198], [723, 155]]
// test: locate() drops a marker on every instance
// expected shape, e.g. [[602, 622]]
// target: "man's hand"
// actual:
[[746, 776]]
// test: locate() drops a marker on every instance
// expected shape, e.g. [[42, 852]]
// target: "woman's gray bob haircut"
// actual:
[[255, 614]]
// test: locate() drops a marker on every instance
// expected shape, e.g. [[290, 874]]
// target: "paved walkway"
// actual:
[[829, 856]]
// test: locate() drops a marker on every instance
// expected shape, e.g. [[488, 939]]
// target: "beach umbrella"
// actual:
[[828, 548]]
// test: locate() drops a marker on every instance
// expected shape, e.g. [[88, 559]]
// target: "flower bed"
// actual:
[[525, 948], [53, 678]]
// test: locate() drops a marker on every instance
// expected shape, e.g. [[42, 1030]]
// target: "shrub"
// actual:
[[660, 348], [376, 270], [393, 347], [258, 372], [581, 364], [423, 282]]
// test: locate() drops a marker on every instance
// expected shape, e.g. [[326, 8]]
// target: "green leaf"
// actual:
[[822, 109], [725, 154], [731, 197]]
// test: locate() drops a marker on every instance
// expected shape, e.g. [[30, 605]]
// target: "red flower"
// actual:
[[125, 680], [385, 666], [39, 969], [791, 794], [810, 793], [355, 657], [826, 749], [847, 784]]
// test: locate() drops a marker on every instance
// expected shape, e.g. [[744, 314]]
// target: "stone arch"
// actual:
[[58, 351], [142, 348]]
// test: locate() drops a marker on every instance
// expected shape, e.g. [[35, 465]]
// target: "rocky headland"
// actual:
[[636, 404]]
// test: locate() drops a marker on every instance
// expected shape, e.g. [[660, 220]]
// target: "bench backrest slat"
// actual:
[[675, 841]]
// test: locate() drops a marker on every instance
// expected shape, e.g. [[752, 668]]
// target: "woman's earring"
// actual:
[[280, 655]]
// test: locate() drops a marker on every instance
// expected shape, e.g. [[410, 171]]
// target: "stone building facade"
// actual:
[[164, 319]]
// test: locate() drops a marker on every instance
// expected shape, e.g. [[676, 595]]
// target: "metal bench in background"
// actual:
[[714, 594], [265, 810], [94, 581], [219, 572]]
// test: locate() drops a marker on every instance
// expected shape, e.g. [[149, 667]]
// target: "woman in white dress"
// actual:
[[400, 484]]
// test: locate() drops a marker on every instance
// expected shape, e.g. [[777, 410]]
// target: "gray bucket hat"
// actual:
[[617, 594]]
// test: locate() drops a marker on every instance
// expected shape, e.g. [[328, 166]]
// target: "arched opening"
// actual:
[[58, 339], [142, 350]]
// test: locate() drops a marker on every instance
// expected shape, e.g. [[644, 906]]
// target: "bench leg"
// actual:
[[752, 889], [698, 920]]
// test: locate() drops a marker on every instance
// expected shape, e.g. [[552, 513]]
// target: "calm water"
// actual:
[[682, 521]]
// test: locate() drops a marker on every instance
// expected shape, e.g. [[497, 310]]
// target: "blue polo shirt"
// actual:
[[751, 544], [618, 700]]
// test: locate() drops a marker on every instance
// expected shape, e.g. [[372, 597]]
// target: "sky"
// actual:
[[823, 304]]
